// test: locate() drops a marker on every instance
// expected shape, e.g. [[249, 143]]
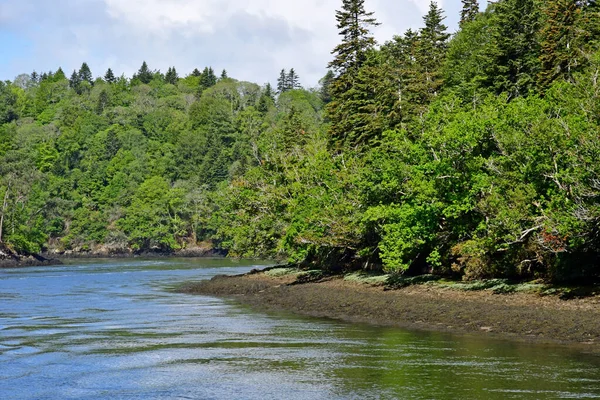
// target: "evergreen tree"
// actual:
[[512, 60], [293, 81], [171, 76], [196, 72], [349, 56], [353, 25], [35, 77], [59, 75], [75, 80], [431, 52], [469, 11], [144, 74], [85, 74], [109, 77], [325, 82], [224, 74], [566, 37], [282, 82], [269, 91]]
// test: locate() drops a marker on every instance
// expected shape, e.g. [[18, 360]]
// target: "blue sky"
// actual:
[[252, 39]]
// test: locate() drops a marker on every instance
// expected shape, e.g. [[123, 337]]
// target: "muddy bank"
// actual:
[[520, 316]]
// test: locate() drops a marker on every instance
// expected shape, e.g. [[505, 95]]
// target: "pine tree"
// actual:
[[431, 52], [35, 77], [144, 74], [269, 91], [469, 11], [59, 75], [353, 25], [512, 59], [212, 78], [293, 81], [74, 81], [85, 74], [171, 76], [282, 82], [325, 83], [109, 77], [196, 72], [566, 37], [224, 74]]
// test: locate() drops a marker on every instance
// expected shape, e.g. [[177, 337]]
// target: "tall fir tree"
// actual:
[[85, 74], [109, 76], [224, 74], [74, 81], [293, 80], [282, 82], [353, 23], [171, 76], [144, 74], [512, 60], [469, 11], [431, 52]]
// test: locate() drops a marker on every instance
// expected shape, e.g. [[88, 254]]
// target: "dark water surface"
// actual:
[[111, 330]]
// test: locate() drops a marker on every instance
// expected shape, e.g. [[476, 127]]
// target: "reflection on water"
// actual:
[[109, 329]]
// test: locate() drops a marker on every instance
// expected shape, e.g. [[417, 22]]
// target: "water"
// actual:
[[112, 330]]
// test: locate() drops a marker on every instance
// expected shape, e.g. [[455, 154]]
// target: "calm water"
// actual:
[[111, 330]]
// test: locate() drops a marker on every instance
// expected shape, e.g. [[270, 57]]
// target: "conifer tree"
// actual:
[[224, 74], [103, 102], [353, 25], [469, 11], [269, 91], [325, 83], [431, 52], [144, 74], [59, 75], [85, 74], [75, 80], [512, 59], [566, 36], [196, 72], [35, 77], [171, 76], [282, 82], [293, 81], [109, 77], [349, 56]]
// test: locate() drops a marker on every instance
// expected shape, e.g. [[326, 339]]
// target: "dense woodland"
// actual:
[[473, 154]]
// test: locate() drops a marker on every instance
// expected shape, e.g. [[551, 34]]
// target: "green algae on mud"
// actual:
[[520, 314]]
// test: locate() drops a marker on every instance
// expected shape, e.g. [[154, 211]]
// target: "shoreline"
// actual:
[[524, 317]]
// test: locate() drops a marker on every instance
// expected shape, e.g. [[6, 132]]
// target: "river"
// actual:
[[111, 329]]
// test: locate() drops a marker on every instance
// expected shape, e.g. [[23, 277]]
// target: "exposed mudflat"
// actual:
[[520, 316]]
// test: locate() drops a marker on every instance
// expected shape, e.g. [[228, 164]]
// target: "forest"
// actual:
[[474, 154]]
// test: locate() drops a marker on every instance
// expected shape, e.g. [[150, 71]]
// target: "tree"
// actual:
[[568, 36], [282, 82], [171, 76], [196, 72], [469, 11], [74, 81], [224, 74], [109, 77], [512, 59], [353, 25], [325, 83], [293, 81], [144, 74], [349, 57], [85, 74]]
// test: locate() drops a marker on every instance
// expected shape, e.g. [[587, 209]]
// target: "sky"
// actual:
[[252, 39]]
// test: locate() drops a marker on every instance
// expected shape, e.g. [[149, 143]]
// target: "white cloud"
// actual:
[[252, 39]]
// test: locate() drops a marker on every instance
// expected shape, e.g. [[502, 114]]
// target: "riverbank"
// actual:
[[520, 316], [10, 259]]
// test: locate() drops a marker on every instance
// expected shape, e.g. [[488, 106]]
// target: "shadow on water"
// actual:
[[110, 329]]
